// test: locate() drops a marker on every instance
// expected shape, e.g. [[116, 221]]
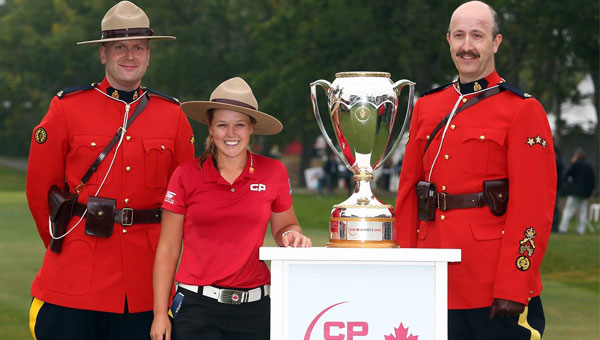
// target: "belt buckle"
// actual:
[[233, 297], [126, 217], [443, 207]]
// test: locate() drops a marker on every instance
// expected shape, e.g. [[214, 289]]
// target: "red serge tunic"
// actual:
[[225, 224], [96, 273], [503, 136]]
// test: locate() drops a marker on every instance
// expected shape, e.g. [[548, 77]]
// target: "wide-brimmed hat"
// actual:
[[236, 95], [125, 21]]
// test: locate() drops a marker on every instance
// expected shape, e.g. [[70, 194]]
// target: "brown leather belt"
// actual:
[[446, 201], [127, 216]]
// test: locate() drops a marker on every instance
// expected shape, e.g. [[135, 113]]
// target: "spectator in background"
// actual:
[[560, 188], [580, 184], [386, 175], [331, 173]]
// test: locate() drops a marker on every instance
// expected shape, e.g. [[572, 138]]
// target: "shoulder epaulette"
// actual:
[[164, 95], [514, 89], [68, 90], [438, 88]]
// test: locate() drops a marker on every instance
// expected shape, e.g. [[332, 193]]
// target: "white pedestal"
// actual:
[[359, 293]]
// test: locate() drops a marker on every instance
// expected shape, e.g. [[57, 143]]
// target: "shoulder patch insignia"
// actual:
[[523, 263], [40, 135]]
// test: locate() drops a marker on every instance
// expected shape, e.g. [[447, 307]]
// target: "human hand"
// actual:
[[161, 327], [292, 238], [502, 308]]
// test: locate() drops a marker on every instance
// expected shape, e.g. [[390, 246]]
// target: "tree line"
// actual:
[[280, 46]]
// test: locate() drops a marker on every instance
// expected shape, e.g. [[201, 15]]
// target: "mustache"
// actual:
[[468, 54]]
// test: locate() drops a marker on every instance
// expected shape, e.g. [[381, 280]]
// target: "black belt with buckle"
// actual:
[[127, 216], [446, 201]]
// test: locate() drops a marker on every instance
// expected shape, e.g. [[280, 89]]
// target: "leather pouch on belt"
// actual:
[[426, 201], [60, 205], [496, 193], [100, 217]]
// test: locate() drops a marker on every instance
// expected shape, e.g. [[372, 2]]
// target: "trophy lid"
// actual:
[[362, 74]]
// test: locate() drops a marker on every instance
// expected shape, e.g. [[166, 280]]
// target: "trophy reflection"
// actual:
[[363, 108]]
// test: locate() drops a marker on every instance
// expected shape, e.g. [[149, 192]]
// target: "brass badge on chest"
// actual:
[[40, 135]]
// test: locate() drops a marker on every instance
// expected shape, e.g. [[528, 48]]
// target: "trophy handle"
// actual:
[[313, 96], [398, 86]]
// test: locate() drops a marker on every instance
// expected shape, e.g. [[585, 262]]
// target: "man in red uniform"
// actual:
[[484, 182], [98, 285]]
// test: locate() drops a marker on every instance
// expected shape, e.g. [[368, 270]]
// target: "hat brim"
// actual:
[[265, 123], [142, 37]]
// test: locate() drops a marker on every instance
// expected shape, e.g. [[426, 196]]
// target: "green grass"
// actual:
[[570, 270], [11, 180]]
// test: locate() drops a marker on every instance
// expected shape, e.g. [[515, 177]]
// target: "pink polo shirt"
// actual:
[[225, 224]]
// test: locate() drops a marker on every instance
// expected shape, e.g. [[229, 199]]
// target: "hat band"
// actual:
[[233, 102], [127, 32]]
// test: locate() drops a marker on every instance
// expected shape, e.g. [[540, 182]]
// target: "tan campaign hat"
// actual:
[[125, 21], [236, 95]]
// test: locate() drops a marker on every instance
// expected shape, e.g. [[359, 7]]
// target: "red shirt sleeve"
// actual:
[[175, 197]]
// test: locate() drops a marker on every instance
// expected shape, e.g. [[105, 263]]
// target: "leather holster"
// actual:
[[426, 195], [60, 208]]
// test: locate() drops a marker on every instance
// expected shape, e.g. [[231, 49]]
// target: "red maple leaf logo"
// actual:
[[401, 334]]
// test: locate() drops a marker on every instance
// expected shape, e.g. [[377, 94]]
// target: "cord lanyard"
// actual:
[[452, 114]]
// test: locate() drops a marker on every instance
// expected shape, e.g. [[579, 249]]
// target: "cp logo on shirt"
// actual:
[[258, 187]]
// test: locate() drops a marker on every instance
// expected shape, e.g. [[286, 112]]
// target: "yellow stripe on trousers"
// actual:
[[535, 335], [36, 305]]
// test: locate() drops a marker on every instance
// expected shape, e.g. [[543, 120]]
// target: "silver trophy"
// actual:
[[362, 108]]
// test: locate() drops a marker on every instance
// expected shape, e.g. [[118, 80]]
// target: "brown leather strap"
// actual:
[[446, 201], [128, 216], [481, 96]]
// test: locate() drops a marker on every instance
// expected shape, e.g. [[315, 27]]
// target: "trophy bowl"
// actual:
[[362, 109]]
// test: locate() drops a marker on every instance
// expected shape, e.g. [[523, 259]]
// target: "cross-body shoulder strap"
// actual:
[[473, 101], [140, 107]]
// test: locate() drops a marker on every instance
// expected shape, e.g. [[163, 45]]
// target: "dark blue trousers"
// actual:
[[52, 322], [474, 324]]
